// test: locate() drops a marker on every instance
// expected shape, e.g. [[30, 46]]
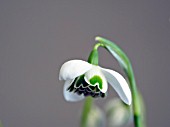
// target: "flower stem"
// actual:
[[1, 125], [97, 45], [86, 109], [126, 65], [93, 59]]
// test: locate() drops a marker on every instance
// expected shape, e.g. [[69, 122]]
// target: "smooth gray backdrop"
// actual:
[[38, 36]]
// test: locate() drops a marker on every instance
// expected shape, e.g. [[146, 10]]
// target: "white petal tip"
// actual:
[[59, 78], [67, 99], [128, 102], [73, 97], [128, 99]]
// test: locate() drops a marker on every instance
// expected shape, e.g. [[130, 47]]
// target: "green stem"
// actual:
[[93, 59], [86, 109], [136, 100], [125, 63], [1, 125]]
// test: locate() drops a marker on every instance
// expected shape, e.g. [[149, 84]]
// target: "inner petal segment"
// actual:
[[95, 77], [96, 80]]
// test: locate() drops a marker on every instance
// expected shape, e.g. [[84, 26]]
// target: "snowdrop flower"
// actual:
[[84, 79]]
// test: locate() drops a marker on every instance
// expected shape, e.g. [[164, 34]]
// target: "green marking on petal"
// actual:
[[96, 79]]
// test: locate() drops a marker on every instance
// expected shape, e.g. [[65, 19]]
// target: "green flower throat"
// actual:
[[96, 79]]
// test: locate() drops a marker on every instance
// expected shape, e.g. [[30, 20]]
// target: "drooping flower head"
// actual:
[[84, 79], [89, 79]]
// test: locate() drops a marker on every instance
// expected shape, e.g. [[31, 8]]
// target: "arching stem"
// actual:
[[125, 63]]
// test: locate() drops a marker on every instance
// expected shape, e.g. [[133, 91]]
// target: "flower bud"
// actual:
[[96, 118], [118, 113]]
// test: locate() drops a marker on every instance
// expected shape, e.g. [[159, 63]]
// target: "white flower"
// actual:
[[84, 79]]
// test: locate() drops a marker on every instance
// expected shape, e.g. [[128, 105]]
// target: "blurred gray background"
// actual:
[[38, 36]]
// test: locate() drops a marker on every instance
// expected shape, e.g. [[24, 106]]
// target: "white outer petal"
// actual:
[[96, 71], [119, 84], [73, 68], [70, 96]]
